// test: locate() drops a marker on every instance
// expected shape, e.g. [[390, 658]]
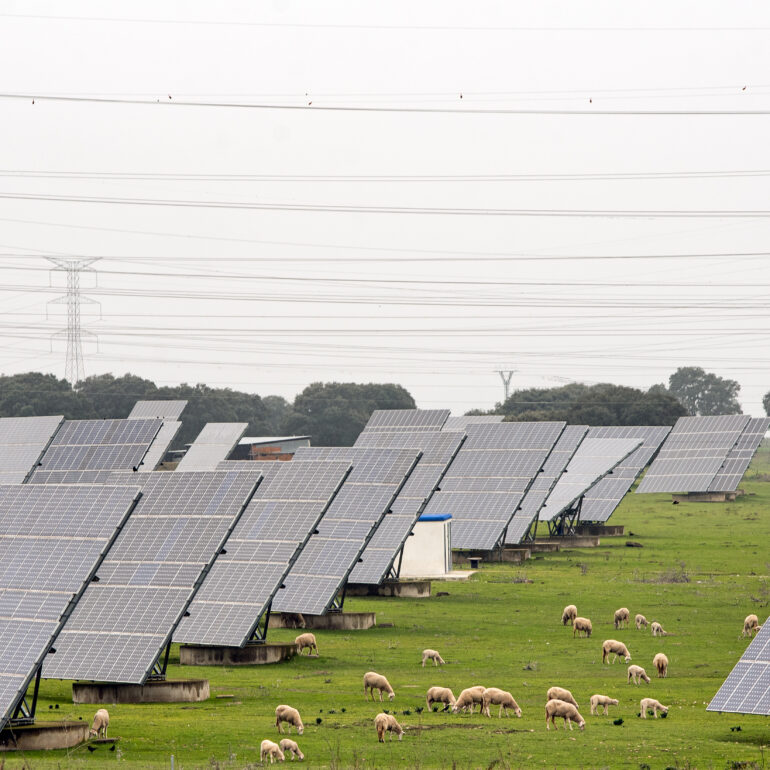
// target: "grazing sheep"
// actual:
[[440, 695], [657, 629], [387, 723], [469, 698], [101, 722], [651, 703], [640, 621], [581, 624], [374, 681], [306, 641], [569, 614], [613, 647], [288, 746], [559, 693], [272, 750], [290, 716], [432, 655], [499, 697], [660, 661], [621, 617], [602, 702], [558, 708], [636, 673], [750, 625]]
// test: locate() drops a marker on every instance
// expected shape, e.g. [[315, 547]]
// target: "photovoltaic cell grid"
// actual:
[[51, 541], [462, 422], [346, 528], [593, 459], [438, 450], [122, 623], [407, 419], [605, 496], [488, 478], [739, 457], [264, 544], [22, 441], [693, 454], [747, 689], [160, 445], [544, 482], [214, 444], [159, 410]]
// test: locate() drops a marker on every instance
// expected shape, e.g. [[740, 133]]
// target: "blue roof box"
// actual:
[[435, 517]]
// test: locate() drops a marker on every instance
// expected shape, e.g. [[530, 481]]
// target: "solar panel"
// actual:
[[488, 478], [214, 443], [747, 689], [438, 450], [693, 454], [160, 445], [407, 419], [51, 542], [150, 575], [463, 421], [739, 457], [261, 550], [22, 441], [344, 532], [159, 410]]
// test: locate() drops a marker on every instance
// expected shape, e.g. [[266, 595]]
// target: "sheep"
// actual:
[[613, 647], [640, 621], [621, 617], [559, 693], [750, 625], [636, 673], [657, 629], [306, 641], [558, 708], [602, 702], [499, 697], [374, 681], [101, 722], [387, 723], [440, 695], [288, 746], [581, 624], [432, 655], [469, 698], [569, 614], [660, 661], [651, 703], [290, 716], [272, 750]]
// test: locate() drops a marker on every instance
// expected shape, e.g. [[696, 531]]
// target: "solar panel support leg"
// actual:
[[395, 571], [259, 635], [25, 711], [339, 600], [158, 673]]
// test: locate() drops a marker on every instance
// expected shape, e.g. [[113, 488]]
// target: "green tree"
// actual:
[[113, 397], [704, 393], [34, 394]]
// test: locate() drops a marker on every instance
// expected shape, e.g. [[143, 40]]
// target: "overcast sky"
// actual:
[[485, 219]]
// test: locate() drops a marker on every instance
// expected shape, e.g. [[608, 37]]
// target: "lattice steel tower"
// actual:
[[506, 375]]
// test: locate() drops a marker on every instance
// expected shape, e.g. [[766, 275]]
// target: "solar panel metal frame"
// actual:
[[460, 423], [213, 437], [740, 456], [160, 409], [391, 420], [160, 444], [49, 425]]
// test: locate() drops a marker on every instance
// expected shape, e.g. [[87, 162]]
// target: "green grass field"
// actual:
[[702, 569]]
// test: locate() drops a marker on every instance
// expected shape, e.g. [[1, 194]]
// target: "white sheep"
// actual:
[[558, 708], [288, 746], [272, 750], [440, 695], [494, 696], [616, 648], [657, 629], [387, 723], [306, 642], [651, 703], [432, 655], [640, 621], [750, 625], [469, 698], [621, 617], [581, 624], [602, 702], [559, 693], [101, 722], [289, 715], [569, 614], [636, 673], [660, 661], [374, 681]]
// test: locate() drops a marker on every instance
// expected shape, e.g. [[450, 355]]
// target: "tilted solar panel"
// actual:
[[22, 441], [739, 457], [407, 419], [214, 444], [160, 445], [462, 422], [160, 410]]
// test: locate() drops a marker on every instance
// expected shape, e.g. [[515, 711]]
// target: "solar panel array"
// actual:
[[51, 541], [85, 451], [462, 422], [22, 441], [265, 543], [693, 454], [160, 445], [123, 622], [604, 497], [407, 419], [747, 689], [438, 450], [214, 444], [488, 478], [159, 410], [323, 567], [739, 457]]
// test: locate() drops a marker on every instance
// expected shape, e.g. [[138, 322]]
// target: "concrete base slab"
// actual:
[[43, 736], [404, 589], [574, 541], [167, 691], [334, 621], [544, 547], [603, 530], [706, 497], [250, 655], [516, 555]]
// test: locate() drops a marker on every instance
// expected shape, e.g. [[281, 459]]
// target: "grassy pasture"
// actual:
[[702, 569]]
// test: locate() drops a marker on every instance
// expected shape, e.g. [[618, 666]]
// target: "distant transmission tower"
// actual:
[[506, 375], [74, 370]]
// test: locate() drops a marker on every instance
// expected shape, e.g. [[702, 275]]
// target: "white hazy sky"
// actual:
[[220, 261]]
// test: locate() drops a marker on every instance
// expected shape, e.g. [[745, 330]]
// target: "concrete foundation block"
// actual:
[[707, 497], [167, 691], [333, 621], [574, 541], [404, 589], [43, 736], [250, 655], [515, 555], [603, 530], [544, 547]]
